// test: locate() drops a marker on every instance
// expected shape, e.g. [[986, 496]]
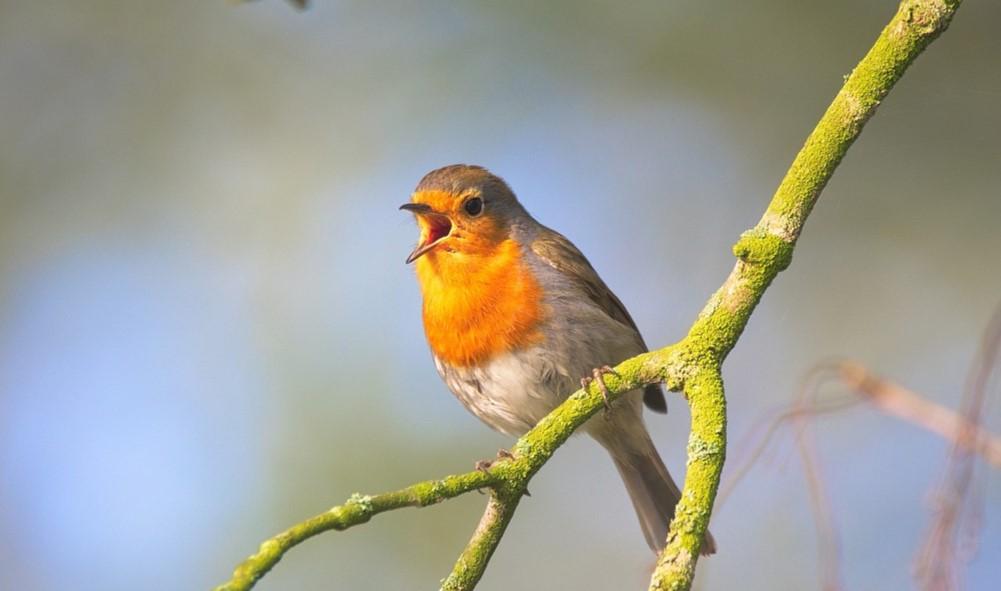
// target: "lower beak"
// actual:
[[419, 251], [436, 227]]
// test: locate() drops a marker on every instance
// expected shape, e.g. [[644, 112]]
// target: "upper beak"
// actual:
[[416, 207], [437, 228]]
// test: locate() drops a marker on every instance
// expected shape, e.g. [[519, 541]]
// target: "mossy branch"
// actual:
[[693, 364], [473, 561], [357, 510], [766, 250], [507, 480]]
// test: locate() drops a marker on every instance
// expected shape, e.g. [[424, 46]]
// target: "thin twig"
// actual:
[[357, 510], [829, 540], [759, 436], [887, 396], [936, 567], [898, 401]]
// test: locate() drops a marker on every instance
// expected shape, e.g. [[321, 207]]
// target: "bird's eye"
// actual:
[[474, 206]]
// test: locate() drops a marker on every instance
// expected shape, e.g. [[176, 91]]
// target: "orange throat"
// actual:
[[478, 306]]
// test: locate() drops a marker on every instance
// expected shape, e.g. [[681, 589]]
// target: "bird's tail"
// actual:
[[651, 488]]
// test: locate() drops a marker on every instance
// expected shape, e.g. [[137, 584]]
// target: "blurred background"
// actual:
[[207, 331]]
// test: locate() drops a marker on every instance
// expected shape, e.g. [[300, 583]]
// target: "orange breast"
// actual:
[[477, 307]]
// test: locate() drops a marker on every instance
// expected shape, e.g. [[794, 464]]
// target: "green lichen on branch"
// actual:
[[693, 365], [357, 510], [507, 479], [763, 252], [706, 453], [916, 24], [472, 563]]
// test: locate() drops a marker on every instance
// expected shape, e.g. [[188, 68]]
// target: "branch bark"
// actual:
[[766, 250], [693, 364], [473, 561], [357, 510]]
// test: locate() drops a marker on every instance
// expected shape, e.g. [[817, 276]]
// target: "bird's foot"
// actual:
[[598, 376], [485, 465]]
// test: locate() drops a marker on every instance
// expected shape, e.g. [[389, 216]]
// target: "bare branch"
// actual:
[[904, 404], [936, 565], [829, 542]]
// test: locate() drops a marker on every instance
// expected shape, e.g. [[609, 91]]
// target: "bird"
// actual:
[[517, 319]]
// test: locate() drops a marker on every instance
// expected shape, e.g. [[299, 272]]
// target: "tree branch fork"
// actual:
[[692, 365]]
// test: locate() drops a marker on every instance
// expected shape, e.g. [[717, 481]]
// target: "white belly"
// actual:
[[512, 392]]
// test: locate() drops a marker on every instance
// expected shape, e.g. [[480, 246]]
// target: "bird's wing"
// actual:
[[558, 252]]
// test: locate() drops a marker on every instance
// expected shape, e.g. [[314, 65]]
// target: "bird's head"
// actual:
[[462, 210]]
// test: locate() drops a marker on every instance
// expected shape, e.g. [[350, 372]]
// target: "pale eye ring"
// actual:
[[473, 206]]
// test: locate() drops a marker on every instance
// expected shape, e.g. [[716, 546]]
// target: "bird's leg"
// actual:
[[598, 375], [485, 465]]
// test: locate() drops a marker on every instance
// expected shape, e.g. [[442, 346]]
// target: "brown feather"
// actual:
[[562, 255]]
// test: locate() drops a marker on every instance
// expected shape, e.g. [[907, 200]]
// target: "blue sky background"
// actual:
[[207, 331]]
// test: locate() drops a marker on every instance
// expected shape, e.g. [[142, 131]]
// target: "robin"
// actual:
[[517, 319]]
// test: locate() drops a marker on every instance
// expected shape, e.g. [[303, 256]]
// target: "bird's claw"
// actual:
[[485, 465], [598, 376]]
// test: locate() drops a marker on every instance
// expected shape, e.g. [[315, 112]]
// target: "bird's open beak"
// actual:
[[435, 227]]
